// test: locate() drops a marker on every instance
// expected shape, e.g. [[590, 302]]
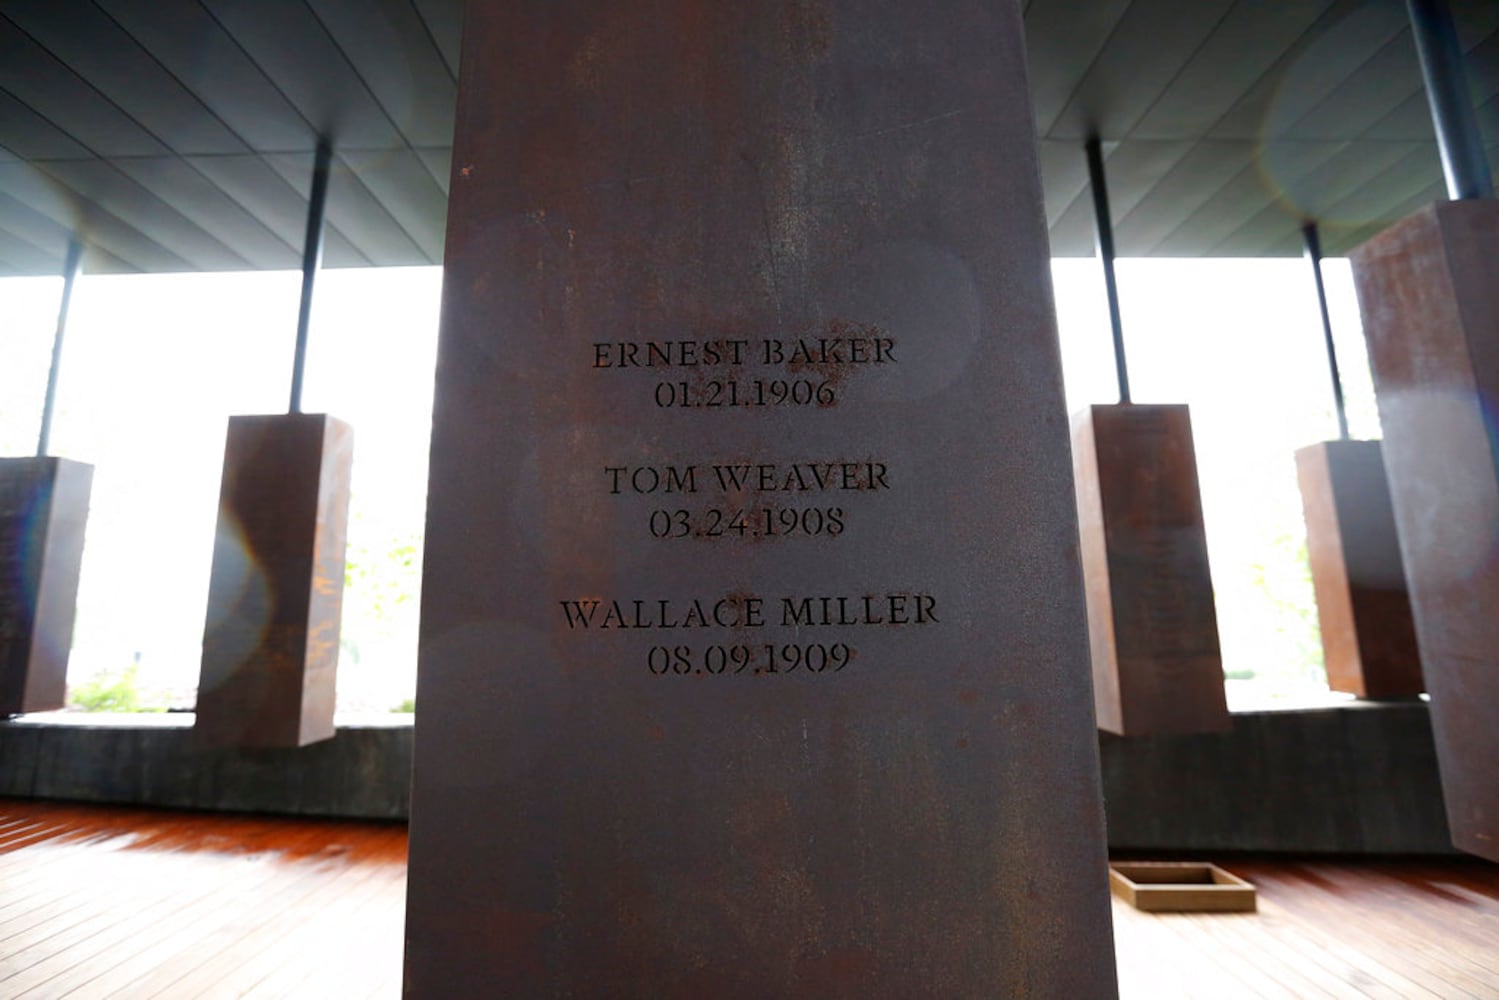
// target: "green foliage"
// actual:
[[389, 576], [1283, 573], [406, 707], [107, 692]]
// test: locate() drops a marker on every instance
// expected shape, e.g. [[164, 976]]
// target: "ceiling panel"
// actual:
[[1062, 41], [1284, 167], [1378, 200], [25, 225], [1488, 123], [1356, 163], [402, 184], [1408, 121], [1149, 47], [100, 261], [1064, 175], [396, 58], [1339, 240], [1343, 39], [196, 49], [277, 204], [1177, 193], [1368, 95], [29, 136], [101, 183], [291, 46], [178, 134], [354, 212], [1475, 20], [1245, 119], [1434, 191], [1269, 227], [33, 76], [17, 254], [1202, 232], [1072, 235], [96, 48], [1242, 49], [1135, 167], [213, 211], [98, 226], [439, 164], [444, 21]]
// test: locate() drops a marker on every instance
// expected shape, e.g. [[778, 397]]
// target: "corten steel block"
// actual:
[[43, 513], [752, 657], [270, 645], [1368, 636], [1428, 288], [1152, 623]]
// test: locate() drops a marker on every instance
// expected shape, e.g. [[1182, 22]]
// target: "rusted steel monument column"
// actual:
[[44, 505], [1152, 620], [275, 596], [1363, 608], [1428, 289], [753, 654], [270, 644]]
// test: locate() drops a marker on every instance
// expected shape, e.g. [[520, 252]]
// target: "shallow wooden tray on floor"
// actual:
[[1180, 887]]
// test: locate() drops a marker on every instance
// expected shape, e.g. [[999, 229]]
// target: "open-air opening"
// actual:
[[155, 364]]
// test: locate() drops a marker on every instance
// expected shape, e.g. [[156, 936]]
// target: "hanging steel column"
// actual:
[[1104, 231], [1152, 624], [44, 503], [1461, 144], [72, 265], [269, 671], [1368, 636], [312, 259], [1313, 245]]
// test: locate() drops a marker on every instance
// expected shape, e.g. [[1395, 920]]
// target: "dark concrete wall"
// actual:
[[1360, 779], [362, 772]]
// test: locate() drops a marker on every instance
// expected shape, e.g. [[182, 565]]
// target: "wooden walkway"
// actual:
[[134, 903], [137, 903]]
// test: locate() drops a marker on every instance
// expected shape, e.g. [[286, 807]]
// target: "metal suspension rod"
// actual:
[[1313, 244], [1458, 139], [312, 259], [1104, 232], [71, 268]]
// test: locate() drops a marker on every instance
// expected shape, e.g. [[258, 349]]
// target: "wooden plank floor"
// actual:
[[1325, 929], [99, 902], [144, 903]]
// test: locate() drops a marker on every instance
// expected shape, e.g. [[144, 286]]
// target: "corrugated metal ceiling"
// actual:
[[179, 134]]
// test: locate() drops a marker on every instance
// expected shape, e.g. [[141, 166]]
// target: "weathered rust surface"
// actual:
[[1428, 288], [43, 513], [1152, 623], [1368, 636], [270, 645], [754, 263]]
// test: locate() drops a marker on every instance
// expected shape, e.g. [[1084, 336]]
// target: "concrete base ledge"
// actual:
[[363, 772], [1356, 779]]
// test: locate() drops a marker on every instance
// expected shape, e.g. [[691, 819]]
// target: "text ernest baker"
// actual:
[[741, 611], [732, 351]]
